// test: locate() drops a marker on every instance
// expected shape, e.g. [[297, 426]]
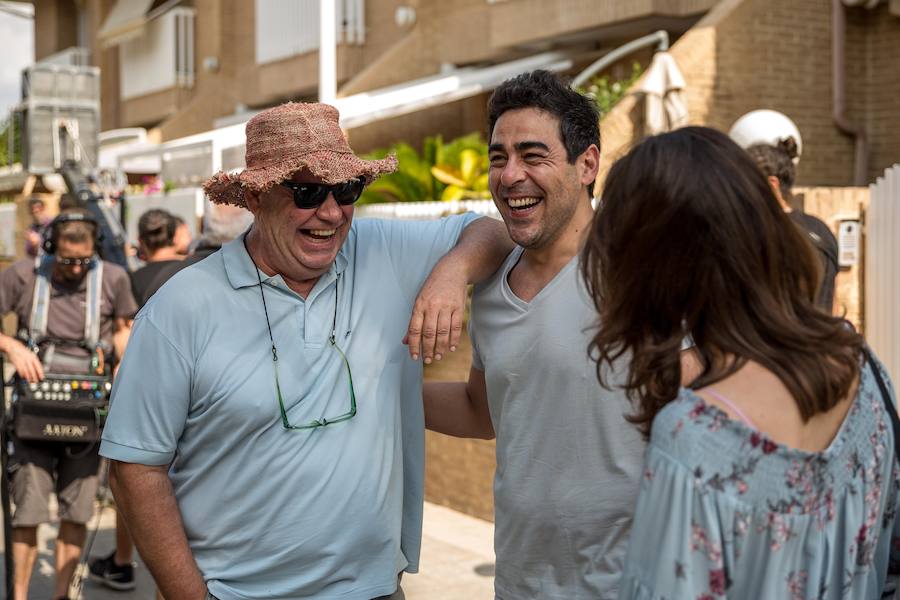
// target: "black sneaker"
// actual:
[[117, 577]]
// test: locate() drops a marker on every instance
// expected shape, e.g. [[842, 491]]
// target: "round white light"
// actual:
[[765, 127]]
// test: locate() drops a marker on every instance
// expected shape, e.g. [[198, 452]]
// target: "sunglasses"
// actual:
[[71, 262], [313, 195]]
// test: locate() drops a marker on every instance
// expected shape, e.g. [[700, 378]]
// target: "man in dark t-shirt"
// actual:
[[221, 224], [41, 468], [156, 237], [825, 242], [777, 164]]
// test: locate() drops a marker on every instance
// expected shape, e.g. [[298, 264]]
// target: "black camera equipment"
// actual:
[[111, 240], [61, 408]]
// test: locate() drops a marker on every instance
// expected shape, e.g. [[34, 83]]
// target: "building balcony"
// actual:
[[156, 69], [286, 28]]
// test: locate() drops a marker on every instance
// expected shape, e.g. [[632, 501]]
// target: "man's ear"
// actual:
[[590, 160], [252, 199]]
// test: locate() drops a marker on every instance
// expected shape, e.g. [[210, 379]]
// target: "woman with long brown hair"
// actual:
[[771, 470]]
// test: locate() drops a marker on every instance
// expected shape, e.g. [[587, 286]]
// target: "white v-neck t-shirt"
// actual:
[[568, 463]]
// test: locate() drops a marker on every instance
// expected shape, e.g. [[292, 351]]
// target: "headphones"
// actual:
[[51, 232]]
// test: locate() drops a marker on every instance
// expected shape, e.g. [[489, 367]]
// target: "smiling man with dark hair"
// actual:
[[568, 464]]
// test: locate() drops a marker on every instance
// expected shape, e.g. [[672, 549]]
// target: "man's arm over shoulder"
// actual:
[[437, 317], [412, 247], [459, 408]]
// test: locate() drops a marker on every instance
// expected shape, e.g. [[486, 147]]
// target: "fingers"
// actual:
[[442, 334], [429, 335], [38, 369], [434, 332], [29, 367], [435, 327], [413, 337], [456, 325]]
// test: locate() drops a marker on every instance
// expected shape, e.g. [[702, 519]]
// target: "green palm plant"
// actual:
[[451, 171], [462, 165]]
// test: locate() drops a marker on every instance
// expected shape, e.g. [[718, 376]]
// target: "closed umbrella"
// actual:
[[664, 106]]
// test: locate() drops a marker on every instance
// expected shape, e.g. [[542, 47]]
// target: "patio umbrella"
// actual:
[[664, 106]]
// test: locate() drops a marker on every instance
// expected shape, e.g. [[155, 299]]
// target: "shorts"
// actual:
[[38, 469]]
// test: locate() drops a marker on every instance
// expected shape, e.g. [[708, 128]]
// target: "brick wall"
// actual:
[[877, 33], [750, 54]]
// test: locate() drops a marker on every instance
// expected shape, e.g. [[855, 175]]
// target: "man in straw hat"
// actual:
[[267, 430]]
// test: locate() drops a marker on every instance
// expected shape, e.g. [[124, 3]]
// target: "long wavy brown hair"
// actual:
[[690, 240]]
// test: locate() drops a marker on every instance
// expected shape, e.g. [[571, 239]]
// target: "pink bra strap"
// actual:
[[732, 406]]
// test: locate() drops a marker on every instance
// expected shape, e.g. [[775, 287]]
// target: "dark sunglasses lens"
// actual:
[[310, 195], [349, 191]]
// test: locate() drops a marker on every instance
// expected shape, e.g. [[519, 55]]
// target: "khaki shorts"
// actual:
[[39, 469]]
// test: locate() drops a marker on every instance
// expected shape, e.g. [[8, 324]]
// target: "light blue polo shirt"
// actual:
[[334, 512]]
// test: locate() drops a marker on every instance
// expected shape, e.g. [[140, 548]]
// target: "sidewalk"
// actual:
[[457, 561]]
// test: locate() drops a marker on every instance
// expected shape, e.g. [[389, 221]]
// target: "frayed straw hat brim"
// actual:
[[329, 166]]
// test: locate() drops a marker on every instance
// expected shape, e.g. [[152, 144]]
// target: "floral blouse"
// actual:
[[724, 512]]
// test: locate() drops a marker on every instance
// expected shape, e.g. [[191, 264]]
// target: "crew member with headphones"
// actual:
[[74, 312]]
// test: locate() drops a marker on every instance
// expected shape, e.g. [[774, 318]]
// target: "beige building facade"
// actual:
[[250, 54]]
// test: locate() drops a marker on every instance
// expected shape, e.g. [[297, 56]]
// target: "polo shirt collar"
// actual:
[[241, 272]]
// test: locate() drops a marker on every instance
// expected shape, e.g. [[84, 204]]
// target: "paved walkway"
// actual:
[[457, 561]]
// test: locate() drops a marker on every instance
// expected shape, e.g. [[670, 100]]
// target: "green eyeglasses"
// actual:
[[332, 340]]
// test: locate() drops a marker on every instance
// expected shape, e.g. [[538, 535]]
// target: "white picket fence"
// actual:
[[882, 273]]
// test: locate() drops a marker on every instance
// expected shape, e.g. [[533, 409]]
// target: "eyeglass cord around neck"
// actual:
[[315, 423], [331, 339]]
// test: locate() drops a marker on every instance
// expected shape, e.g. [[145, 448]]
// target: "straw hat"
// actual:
[[288, 138]]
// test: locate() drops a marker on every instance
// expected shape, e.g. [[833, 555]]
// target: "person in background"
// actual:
[[183, 237], [777, 164], [40, 468], [35, 231], [156, 243], [221, 224], [772, 472], [568, 464]]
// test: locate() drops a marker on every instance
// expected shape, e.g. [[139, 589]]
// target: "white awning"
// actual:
[[413, 96]]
